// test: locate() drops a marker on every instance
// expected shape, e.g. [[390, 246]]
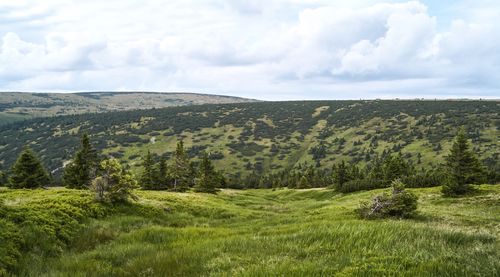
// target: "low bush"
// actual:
[[360, 184], [42, 226], [400, 204], [425, 179]]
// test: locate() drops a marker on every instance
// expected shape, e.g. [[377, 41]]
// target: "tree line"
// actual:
[[112, 182]]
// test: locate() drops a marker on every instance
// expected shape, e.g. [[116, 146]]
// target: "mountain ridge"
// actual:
[[16, 106]]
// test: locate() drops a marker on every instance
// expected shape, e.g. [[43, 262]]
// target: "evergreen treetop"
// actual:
[[80, 172], [28, 171], [463, 167]]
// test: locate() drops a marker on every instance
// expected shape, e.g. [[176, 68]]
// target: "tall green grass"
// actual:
[[257, 233]]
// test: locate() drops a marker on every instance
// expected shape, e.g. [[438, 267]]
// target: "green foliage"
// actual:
[[269, 137], [208, 179], [400, 204], [425, 178], [395, 167], [3, 179], [162, 177], [463, 167], [28, 171], [181, 169], [361, 184], [36, 225], [148, 176], [80, 172], [340, 175], [303, 183], [114, 184]]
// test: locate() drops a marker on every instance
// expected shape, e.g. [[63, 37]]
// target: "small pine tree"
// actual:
[[161, 179], [395, 167], [208, 179], [463, 167], [80, 172], [180, 169], [147, 178], [114, 184], [28, 171], [340, 175]]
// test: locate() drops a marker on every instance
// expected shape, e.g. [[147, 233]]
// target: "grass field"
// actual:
[[60, 232]]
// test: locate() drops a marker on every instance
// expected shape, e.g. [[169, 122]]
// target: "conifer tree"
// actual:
[[28, 171], [340, 175], [162, 174], [395, 167], [114, 184], [463, 167], [208, 179], [147, 178], [80, 172], [180, 168]]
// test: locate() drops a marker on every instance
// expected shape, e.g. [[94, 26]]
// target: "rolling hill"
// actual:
[[286, 232], [15, 106], [267, 136]]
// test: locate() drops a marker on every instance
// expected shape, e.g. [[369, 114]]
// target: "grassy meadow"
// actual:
[[314, 232]]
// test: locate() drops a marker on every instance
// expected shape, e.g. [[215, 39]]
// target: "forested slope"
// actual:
[[268, 136]]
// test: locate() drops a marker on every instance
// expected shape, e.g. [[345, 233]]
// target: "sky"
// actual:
[[263, 49]]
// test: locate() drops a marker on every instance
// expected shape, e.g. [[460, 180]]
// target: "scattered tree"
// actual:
[[114, 184], [208, 178], [180, 169], [28, 171], [147, 177], [162, 178], [463, 167], [340, 175], [80, 172]]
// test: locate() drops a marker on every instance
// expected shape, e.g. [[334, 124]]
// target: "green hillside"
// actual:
[[15, 106], [268, 136], [315, 232]]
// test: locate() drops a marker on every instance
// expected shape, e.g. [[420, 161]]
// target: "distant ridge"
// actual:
[[15, 106]]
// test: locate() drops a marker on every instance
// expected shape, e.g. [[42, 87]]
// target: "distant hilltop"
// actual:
[[15, 106]]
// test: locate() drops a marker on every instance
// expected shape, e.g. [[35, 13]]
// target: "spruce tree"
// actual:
[[340, 175], [147, 178], [28, 171], [207, 181], [463, 167], [80, 172], [395, 167], [161, 179], [180, 168]]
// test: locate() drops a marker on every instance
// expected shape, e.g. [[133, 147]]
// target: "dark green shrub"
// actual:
[[400, 204], [360, 184], [425, 179]]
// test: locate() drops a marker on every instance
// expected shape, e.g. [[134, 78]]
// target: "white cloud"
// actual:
[[263, 49]]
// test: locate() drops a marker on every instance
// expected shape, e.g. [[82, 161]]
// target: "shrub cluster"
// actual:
[[400, 204]]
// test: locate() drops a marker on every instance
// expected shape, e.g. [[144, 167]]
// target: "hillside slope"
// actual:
[[61, 232], [266, 136], [16, 106]]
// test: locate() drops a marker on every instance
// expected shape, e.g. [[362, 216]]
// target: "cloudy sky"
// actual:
[[266, 49]]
